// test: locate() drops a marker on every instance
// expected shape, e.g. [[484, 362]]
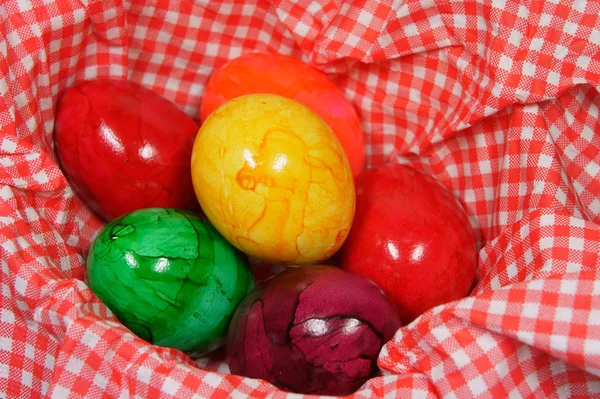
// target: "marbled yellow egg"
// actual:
[[273, 178]]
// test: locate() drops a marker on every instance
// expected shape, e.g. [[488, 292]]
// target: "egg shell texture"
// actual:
[[124, 147], [274, 180], [311, 329], [169, 276], [289, 77], [412, 237]]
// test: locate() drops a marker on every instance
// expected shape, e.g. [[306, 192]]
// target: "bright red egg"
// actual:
[[412, 237], [289, 77], [124, 147]]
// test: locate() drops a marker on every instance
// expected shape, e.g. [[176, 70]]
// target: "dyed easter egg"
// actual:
[[312, 330], [169, 277], [123, 147], [289, 77], [412, 237], [271, 176]]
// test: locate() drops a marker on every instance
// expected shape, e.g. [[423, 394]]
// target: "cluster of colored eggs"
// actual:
[[275, 173]]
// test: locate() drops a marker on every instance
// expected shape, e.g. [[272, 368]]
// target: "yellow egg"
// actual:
[[273, 178]]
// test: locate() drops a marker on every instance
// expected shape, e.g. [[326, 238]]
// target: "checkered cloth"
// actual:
[[499, 99]]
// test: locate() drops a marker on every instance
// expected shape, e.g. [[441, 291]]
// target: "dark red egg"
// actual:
[[412, 237], [312, 330], [124, 147]]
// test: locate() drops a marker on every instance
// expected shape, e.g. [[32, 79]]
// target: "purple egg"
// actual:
[[311, 329]]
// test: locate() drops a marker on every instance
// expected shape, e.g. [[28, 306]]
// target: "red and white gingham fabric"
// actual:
[[497, 98]]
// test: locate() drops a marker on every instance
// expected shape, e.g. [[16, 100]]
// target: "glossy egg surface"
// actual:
[[169, 277], [273, 179], [311, 329], [124, 147], [289, 77], [412, 237]]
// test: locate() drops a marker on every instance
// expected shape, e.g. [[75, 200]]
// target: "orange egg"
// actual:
[[289, 77], [272, 177]]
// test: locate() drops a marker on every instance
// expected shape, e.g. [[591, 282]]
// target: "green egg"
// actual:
[[170, 277]]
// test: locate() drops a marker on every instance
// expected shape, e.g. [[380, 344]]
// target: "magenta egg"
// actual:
[[311, 330]]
